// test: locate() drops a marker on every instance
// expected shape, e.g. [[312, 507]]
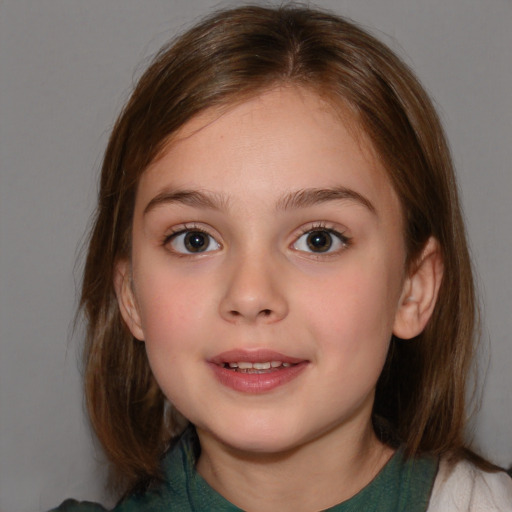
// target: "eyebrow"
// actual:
[[196, 198], [294, 200], [313, 196]]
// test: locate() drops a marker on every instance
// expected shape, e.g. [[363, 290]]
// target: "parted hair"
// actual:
[[228, 57]]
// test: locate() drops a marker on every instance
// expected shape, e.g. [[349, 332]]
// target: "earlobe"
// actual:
[[419, 293], [126, 298]]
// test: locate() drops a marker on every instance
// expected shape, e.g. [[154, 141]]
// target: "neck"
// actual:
[[315, 476]]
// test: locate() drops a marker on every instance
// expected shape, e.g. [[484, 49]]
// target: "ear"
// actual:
[[126, 298], [419, 293]]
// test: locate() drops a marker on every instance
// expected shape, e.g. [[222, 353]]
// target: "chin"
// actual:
[[258, 437]]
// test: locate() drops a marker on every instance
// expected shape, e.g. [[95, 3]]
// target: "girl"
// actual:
[[278, 289]]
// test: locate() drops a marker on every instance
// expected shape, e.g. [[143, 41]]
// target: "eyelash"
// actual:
[[343, 240], [183, 230]]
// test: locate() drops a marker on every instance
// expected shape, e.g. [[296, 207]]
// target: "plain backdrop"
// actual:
[[66, 67]]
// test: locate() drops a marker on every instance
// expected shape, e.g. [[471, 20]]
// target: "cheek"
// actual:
[[353, 310], [172, 306], [173, 312]]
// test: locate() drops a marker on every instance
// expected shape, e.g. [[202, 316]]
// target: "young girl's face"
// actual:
[[267, 272]]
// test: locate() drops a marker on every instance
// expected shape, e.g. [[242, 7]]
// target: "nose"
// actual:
[[254, 292]]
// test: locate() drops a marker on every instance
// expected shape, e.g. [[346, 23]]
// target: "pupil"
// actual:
[[196, 241], [319, 241]]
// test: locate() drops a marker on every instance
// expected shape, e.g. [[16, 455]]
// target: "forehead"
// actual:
[[288, 136]]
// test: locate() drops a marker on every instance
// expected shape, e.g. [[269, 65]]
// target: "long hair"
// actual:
[[231, 56]]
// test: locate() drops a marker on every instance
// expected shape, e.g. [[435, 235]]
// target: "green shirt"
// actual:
[[401, 485]]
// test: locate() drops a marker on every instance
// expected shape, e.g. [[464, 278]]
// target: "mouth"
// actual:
[[257, 371], [258, 368]]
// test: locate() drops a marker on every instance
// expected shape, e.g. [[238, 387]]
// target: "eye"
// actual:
[[321, 241], [192, 241]]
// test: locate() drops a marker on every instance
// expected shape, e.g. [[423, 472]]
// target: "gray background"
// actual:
[[65, 69]]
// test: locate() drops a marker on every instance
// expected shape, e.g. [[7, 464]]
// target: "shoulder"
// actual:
[[134, 503], [171, 493], [150, 501], [462, 486], [78, 506]]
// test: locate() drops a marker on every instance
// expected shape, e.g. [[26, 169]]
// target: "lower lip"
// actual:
[[257, 382]]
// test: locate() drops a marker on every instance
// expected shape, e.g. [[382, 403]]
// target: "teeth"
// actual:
[[267, 365], [261, 366]]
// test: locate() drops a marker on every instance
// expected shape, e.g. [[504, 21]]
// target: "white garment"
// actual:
[[465, 488]]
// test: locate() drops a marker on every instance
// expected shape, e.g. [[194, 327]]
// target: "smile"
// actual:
[[256, 372], [265, 367]]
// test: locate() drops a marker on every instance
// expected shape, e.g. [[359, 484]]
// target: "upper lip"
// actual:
[[253, 356]]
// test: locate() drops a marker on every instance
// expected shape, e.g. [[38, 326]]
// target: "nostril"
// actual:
[[266, 312]]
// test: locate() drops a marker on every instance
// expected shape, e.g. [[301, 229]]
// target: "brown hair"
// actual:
[[420, 399]]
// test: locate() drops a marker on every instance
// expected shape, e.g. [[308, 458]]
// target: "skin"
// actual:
[[258, 286]]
